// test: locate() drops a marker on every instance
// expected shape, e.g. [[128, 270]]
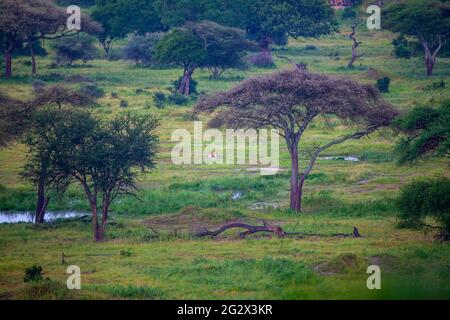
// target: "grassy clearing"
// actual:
[[166, 262]]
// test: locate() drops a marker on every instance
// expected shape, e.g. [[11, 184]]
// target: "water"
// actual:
[[28, 217], [345, 158]]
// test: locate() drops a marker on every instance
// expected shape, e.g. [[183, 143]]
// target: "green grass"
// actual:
[[150, 252]]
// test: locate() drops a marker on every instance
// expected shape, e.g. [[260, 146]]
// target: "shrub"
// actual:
[[123, 103], [402, 48], [46, 289], [311, 47], [383, 84], [262, 60], [426, 198], [349, 13], [159, 98], [92, 90], [33, 274], [436, 85], [70, 49], [178, 99], [114, 95]]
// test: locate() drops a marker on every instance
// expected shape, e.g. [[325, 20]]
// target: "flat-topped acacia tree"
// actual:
[[289, 101]]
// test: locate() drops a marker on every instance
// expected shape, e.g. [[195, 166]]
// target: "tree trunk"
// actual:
[[42, 203], [97, 228], [8, 64], [429, 62], [184, 87], [33, 59], [295, 188]]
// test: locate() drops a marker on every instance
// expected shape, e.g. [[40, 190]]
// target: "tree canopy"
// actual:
[[121, 17], [426, 20], [266, 21], [290, 101], [428, 132]]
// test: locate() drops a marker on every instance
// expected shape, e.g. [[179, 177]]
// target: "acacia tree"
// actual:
[[428, 132], [265, 21], [102, 156], [426, 20], [203, 45], [26, 21], [225, 47], [121, 17], [290, 101]]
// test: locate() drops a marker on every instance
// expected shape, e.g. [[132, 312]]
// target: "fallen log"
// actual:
[[273, 229], [250, 230]]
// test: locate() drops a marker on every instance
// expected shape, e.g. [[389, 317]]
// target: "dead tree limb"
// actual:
[[355, 46], [250, 230], [273, 229]]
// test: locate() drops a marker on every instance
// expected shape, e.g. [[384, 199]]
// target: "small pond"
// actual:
[[16, 217]]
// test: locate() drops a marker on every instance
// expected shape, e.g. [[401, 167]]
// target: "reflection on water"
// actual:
[[344, 158], [15, 217]]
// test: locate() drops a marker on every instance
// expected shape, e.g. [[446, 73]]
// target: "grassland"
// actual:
[[150, 252]]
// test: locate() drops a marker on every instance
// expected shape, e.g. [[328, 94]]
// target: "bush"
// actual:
[[178, 99], [46, 289], [262, 60], [402, 48], [426, 198], [436, 85], [160, 99], [33, 274], [70, 49], [349, 13], [140, 49], [383, 84], [92, 90], [123, 103]]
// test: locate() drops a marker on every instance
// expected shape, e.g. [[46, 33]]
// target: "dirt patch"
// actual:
[[192, 220], [386, 262], [374, 74], [340, 264]]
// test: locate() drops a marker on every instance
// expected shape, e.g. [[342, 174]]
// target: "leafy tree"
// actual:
[[27, 21], [266, 21], [185, 49], [202, 45], [60, 96], [14, 115], [140, 48], [225, 46], [69, 50], [426, 198], [121, 17], [42, 141], [428, 132], [290, 101], [426, 20], [102, 156]]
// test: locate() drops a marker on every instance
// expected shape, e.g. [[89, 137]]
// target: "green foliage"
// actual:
[[383, 84], [70, 49], [140, 48], [121, 17], [349, 13], [268, 22], [123, 103], [181, 48], [436, 85], [402, 48], [33, 274], [426, 198], [160, 99], [46, 289], [428, 132]]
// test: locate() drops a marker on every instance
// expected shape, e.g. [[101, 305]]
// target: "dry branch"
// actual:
[[250, 230]]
